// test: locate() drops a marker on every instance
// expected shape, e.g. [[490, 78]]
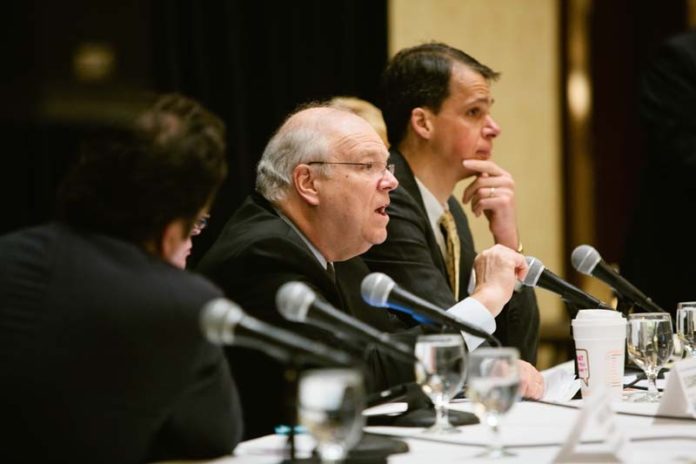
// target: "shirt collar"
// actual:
[[434, 208], [317, 254]]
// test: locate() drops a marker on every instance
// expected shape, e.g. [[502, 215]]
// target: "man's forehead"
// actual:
[[470, 83]]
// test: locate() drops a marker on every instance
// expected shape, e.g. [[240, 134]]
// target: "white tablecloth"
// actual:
[[533, 431]]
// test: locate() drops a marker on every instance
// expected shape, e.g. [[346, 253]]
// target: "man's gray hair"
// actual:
[[299, 140]]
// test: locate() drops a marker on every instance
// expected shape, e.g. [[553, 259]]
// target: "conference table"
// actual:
[[534, 431]]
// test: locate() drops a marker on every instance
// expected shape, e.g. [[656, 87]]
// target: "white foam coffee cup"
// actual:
[[600, 343]]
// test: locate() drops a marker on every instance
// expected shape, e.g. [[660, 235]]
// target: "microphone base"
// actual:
[[371, 449], [422, 417]]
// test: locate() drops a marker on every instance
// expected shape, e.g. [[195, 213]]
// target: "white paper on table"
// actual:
[[560, 384]]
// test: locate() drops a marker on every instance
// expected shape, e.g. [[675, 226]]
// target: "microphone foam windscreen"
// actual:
[[536, 267], [218, 319], [293, 300], [584, 259], [375, 289]]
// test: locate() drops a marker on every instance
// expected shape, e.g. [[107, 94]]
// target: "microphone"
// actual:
[[299, 303], [587, 260], [380, 290], [539, 276], [224, 323]]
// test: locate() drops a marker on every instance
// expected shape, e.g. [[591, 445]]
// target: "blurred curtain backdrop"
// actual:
[[252, 62]]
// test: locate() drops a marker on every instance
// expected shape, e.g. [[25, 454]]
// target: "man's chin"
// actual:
[[379, 239]]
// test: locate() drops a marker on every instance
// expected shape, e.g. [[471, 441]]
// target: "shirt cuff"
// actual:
[[473, 312]]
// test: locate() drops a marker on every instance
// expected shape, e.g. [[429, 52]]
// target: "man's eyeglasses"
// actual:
[[200, 224], [371, 168]]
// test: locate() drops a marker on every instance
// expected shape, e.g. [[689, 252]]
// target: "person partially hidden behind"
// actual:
[[323, 186], [102, 357], [365, 110], [437, 103], [656, 259]]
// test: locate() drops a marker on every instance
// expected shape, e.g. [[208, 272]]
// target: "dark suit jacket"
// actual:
[[659, 246], [101, 355], [256, 253], [411, 256]]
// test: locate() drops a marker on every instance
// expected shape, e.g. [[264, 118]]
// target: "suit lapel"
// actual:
[[317, 274], [407, 181]]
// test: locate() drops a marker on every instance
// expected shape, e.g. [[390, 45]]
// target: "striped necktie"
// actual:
[[449, 229]]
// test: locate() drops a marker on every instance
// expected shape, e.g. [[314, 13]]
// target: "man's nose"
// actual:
[[491, 128]]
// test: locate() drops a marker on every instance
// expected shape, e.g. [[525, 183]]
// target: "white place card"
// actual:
[[679, 395], [598, 419]]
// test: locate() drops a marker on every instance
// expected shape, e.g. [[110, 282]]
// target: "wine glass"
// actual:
[[686, 327], [650, 344], [330, 407], [440, 372], [494, 384]]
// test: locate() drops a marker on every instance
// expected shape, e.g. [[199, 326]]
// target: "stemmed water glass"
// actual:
[[331, 402], [440, 372], [493, 387], [650, 344], [686, 327]]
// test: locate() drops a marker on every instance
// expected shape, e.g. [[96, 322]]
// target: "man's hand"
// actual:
[[493, 194], [497, 271], [531, 381]]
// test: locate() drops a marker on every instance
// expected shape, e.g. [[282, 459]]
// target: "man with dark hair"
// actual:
[[436, 106], [101, 352], [323, 186]]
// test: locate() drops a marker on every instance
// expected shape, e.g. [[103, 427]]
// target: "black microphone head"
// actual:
[[375, 289], [584, 259], [534, 270], [218, 319], [293, 300]]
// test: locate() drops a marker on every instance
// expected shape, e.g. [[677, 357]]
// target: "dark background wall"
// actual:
[[624, 37], [251, 62]]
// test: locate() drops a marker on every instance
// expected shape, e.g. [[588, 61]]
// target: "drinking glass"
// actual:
[[494, 383], [440, 372], [650, 344], [330, 407], [686, 327]]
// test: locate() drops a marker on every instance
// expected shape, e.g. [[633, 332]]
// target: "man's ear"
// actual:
[[173, 235], [421, 123], [305, 182]]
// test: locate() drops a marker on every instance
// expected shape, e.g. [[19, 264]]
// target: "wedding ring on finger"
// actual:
[[491, 193]]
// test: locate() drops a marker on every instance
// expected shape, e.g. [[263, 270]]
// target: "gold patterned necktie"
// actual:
[[449, 229]]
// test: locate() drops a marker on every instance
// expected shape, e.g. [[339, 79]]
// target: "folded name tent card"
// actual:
[[598, 419], [679, 395]]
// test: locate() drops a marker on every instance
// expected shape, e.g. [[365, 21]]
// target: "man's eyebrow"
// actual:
[[486, 100]]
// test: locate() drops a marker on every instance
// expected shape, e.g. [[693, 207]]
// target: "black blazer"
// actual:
[[255, 254], [411, 256], [101, 355]]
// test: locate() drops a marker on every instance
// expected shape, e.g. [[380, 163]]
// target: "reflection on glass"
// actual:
[[650, 344], [330, 406], [686, 327], [440, 372], [494, 383]]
